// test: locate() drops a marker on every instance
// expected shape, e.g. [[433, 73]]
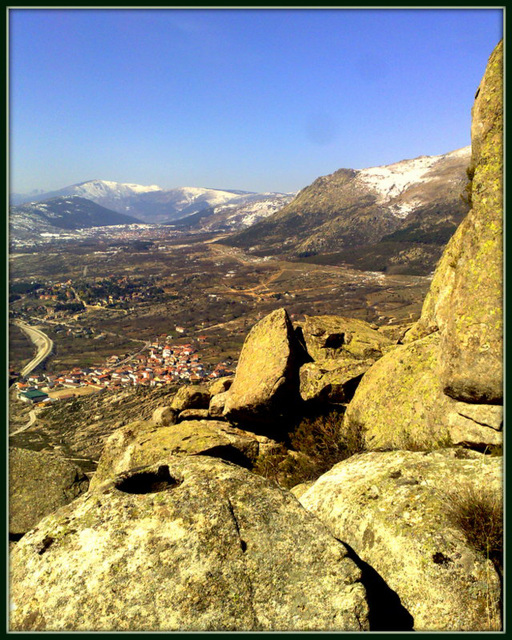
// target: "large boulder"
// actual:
[[193, 396], [347, 338], [400, 404], [331, 381], [39, 483], [266, 385], [219, 385], [165, 416], [465, 302], [391, 508], [142, 443], [192, 544]]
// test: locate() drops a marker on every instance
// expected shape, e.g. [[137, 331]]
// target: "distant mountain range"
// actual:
[[150, 204], [67, 212], [396, 217]]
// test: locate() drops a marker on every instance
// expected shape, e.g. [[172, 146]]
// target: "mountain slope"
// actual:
[[237, 214], [54, 215], [369, 218]]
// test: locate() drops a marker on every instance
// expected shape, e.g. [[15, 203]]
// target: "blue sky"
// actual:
[[260, 100]]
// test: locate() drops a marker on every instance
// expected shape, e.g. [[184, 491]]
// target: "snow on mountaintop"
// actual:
[[100, 187], [214, 197], [392, 180]]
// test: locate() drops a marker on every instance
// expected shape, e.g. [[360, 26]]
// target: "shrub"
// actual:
[[327, 439], [468, 189], [478, 514], [318, 443]]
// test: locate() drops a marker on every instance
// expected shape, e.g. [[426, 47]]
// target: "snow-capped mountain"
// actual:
[[28, 221], [148, 203], [374, 218], [237, 214]]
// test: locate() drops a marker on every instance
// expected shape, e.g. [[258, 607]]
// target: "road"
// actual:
[[43, 343], [32, 419]]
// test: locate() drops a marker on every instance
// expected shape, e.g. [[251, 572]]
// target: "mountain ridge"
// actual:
[[61, 213], [351, 209]]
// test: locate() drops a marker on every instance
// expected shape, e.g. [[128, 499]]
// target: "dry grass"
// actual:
[[318, 443], [478, 514]]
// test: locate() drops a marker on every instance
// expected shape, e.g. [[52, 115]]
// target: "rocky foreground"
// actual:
[[178, 529]]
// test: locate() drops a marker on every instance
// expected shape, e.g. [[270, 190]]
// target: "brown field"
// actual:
[[212, 290]]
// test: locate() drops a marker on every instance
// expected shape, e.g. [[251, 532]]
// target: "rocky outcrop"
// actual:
[[266, 385], [391, 508], [211, 548], [39, 483], [472, 366], [217, 402], [142, 443], [193, 396], [342, 349], [336, 337], [220, 385], [420, 390], [331, 381], [400, 404], [465, 301]]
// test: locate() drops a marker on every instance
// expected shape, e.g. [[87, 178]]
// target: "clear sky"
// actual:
[[252, 99]]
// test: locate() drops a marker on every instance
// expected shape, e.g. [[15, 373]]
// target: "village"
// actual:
[[160, 363]]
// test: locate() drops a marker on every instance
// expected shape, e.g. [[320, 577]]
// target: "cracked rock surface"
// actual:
[[190, 544], [391, 508], [39, 483]]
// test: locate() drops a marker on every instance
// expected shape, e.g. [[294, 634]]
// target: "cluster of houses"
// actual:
[[159, 365]]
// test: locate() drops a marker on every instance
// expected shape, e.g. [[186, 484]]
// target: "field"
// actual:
[[210, 290]]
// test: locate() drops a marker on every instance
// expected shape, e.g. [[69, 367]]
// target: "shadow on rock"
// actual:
[[387, 613]]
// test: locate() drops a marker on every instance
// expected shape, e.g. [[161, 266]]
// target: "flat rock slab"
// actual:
[[208, 547], [391, 508], [142, 443], [40, 483]]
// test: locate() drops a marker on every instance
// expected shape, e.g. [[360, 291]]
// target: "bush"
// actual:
[[327, 440], [317, 443], [478, 514]]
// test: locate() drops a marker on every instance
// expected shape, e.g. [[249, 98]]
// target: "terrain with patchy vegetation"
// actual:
[[345, 476]]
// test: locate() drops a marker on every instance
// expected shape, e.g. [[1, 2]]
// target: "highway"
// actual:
[[43, 343]]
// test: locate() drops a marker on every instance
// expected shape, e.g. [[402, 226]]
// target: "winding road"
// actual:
[[43, 343], [32, 418]]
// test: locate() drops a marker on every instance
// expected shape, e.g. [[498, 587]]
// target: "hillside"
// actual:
[[54, 215], [235, 215], [396, 218]]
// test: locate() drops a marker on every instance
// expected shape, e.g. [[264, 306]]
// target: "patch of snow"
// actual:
[[403, 209], [392, 180], [459, 153]]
